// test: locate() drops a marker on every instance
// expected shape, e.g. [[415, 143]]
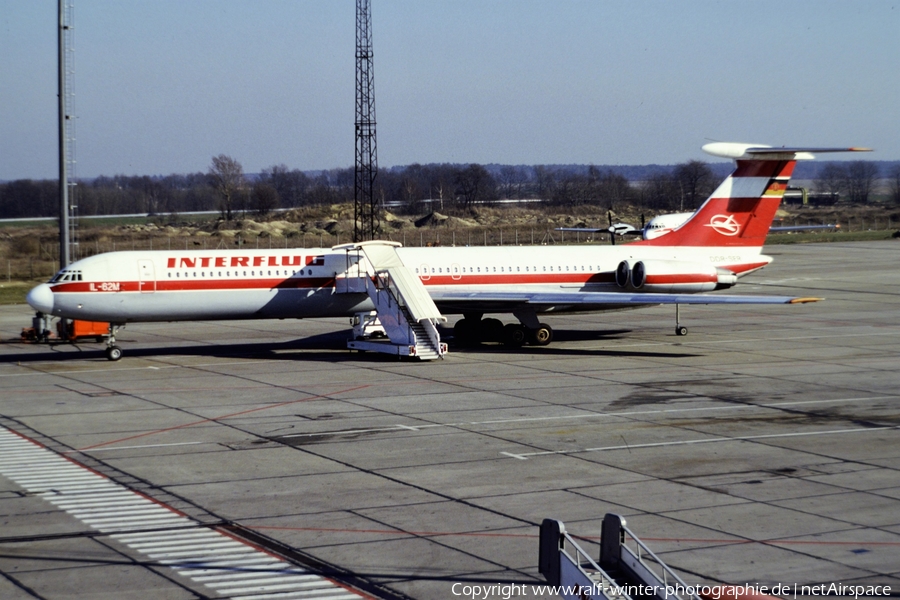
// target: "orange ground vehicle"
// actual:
[[77, 331], [66, 331]]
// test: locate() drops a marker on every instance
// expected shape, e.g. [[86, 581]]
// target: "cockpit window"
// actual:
[[66, 275]]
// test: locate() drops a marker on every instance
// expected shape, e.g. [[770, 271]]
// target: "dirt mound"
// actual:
[[436, 219]]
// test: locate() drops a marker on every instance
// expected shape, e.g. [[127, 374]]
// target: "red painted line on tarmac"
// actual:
[[770, 542], [214, 419], [584, 537]]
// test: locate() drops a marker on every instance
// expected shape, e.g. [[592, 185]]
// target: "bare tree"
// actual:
[[475, 184], [511, 180], [661, 192], [264, 198], [546, 180], [290, 185], [832, 179], [614, 189], [153, 190], [861, 176], [894, 184], [696, 181], [226, 175]]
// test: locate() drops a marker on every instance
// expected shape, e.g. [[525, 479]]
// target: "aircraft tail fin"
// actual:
[[741, 210]]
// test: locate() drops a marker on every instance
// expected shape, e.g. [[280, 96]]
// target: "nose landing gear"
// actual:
[[113, 352]]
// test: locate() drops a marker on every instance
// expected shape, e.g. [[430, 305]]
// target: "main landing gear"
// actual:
[[113, 352], [472, 329]]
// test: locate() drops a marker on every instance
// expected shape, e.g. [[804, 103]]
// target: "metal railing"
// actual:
[[669, 579]]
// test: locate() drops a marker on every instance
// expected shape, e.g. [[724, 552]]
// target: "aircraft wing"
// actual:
[[488, 298]]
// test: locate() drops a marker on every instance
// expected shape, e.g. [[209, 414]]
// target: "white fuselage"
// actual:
[[124, 287]]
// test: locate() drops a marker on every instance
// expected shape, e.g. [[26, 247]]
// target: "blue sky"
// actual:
[[163, 85]]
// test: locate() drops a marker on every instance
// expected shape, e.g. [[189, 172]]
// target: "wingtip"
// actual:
[[804, 300]]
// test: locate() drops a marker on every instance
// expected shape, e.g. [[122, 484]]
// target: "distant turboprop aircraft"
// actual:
[[402, 293]]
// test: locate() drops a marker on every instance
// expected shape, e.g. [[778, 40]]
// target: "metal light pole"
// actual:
[[364, 207], [63, 160]]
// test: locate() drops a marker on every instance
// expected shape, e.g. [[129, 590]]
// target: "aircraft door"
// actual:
[[353, 279], [146, 276]]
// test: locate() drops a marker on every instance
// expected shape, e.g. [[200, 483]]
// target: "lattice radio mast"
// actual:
[[68, 240], [365, 209]]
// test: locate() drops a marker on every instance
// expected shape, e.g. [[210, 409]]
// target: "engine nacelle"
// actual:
[[668, 276]]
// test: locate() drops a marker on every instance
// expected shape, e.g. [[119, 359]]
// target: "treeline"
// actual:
[[416, 188]]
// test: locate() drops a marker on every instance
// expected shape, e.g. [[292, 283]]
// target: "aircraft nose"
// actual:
[[41, 299]]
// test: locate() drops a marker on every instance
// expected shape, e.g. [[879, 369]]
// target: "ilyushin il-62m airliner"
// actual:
[[403, 293]]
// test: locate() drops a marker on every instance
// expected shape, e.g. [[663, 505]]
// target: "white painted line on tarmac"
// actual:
[[343, 594], [247, 565], [188, 549], [123, 520], [246, 561], [249, 574], [184, 534], [197, 554], [44, 478], [591, 415], [273, 578], [106, 506], [276, 587], [108, 449], [527, 455], [78, 372], [92, 507], [85, 499], [160, 541], [123, 512]]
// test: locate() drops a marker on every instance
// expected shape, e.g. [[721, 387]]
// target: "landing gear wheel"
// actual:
[[491, 330], [680, 330], [515, 335], [113, 353], [463, 332], [542, 336]]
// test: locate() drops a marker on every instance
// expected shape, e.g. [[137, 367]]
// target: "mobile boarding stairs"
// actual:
[[404, 312], [627, 569]]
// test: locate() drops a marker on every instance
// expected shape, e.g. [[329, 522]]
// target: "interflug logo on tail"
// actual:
[[725, 224]]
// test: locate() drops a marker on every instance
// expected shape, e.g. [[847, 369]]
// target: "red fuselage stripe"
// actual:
[[500, 279], [191, 283]]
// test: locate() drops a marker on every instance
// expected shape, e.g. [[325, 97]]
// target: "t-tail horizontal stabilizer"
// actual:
[[764, 152]]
